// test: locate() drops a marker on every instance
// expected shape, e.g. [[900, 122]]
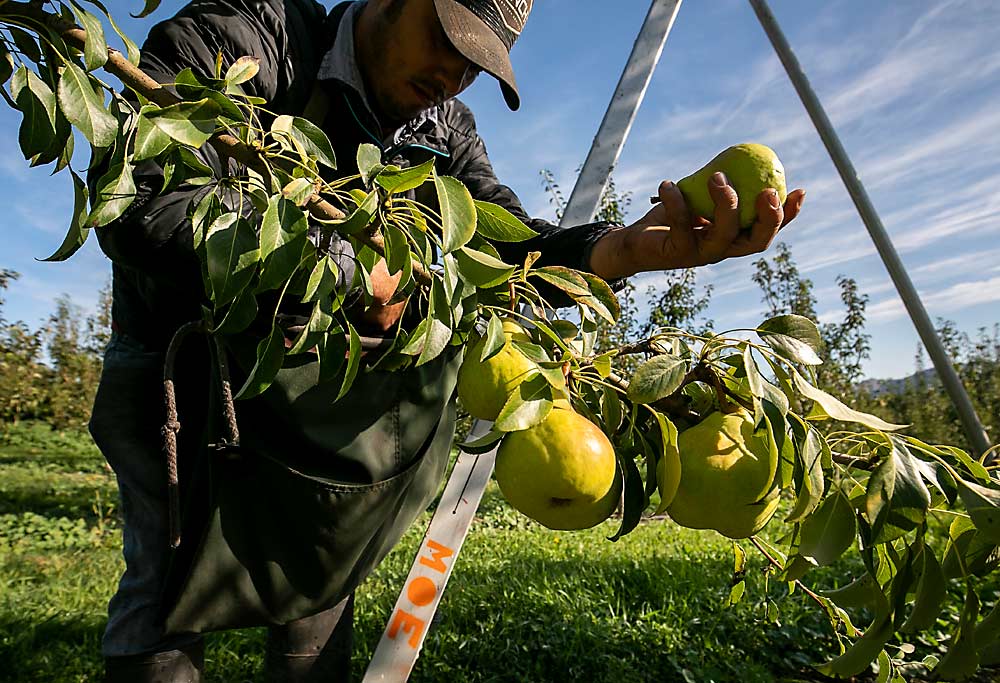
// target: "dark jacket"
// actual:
[[157, 282]]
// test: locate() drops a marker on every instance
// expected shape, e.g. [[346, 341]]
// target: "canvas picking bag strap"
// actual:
[[290, 517]]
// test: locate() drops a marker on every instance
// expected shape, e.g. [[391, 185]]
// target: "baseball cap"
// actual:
[[484, 32]]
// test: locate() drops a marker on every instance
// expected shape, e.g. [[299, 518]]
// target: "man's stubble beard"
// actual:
[[388, 110]]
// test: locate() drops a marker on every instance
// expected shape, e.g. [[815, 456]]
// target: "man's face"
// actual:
[[407, 60]]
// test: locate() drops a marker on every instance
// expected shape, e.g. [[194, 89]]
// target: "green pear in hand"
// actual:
[[750, 168]]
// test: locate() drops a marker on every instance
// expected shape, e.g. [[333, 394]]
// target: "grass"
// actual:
[[524, 603]]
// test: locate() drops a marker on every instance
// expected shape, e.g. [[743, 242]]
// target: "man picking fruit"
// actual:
[[384, 72]]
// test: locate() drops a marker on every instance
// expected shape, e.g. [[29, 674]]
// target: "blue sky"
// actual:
[[912, 87]]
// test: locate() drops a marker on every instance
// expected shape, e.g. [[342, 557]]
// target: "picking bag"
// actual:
[[290, 520]]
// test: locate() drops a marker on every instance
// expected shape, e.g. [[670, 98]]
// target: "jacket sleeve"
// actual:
[[562, 246], [154, 234]]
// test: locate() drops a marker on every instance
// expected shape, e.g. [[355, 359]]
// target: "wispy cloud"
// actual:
[[945, 302]]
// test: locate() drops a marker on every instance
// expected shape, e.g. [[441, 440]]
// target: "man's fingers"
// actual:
[[770, 217], [726, 223], [765, 228], [793, 204], [674, 206]]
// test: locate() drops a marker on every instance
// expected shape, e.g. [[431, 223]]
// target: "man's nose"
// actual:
[[457, 75]]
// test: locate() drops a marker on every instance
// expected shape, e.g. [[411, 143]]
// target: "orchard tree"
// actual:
[[846, 345], [726, 458], [74, 346], [22, 376]]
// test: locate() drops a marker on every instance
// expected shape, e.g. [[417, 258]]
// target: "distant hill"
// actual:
[[880, 387]]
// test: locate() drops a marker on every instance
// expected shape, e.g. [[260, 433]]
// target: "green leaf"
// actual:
[[66, 152], [988, 636], [612, 411], [862, 653], [983, 505], [480, 269], [439, 322], [77, 234], [761, 388], [148, 8], [397, 252], [962, 658], [794, 337], [404, 180], [232, 253], [837, 410], [150, 141], [526, 406], [669, 461], [948, 452], [115, 192], [498, 224], [333, 350], [283, 237], [298, 191], [37, 104], [242, 70], [968, 552], [25, 42], [736, 593], [566, 279], [353, 362], [240, 314], [6, 64], [95, 50], [931, 592], [863, 592], [897, 498], [84, 108], [495, 338], [829, 531], [809, 455], [202, 214], [458, 212], [634, 499], [130, 47], [369, 162], [189, 123], [183, 167], [602, 364], [309, 137], [322, 280], [320, 322], [657, 378], [270, 357], [602, 299], [361, 217], [484, 444]]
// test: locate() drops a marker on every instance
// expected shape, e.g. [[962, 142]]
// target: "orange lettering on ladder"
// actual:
[[438, 553], [410, 624]]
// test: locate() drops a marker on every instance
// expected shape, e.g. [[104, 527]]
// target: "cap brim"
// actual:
[[480, 45]]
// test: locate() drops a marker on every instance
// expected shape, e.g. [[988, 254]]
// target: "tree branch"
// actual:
[[227, 145]]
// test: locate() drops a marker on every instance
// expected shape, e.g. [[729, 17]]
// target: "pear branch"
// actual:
[[227, 145]]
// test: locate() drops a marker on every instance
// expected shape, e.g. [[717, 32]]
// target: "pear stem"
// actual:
[[777, 565], [727, 402]]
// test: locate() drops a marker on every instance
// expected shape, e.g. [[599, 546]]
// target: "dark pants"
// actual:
[[127, 418]]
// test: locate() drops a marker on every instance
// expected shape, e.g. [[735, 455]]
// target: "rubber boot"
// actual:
[[173, 666], [312, 649]]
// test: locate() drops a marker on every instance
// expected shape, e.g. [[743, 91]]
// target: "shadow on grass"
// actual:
[[529, 618], [38, 489], [60, 647]]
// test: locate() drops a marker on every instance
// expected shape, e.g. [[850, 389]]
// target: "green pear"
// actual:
[[561, 472], [726, 477], [750, 169]]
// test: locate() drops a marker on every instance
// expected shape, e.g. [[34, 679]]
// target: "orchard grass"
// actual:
[[524, 603]]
